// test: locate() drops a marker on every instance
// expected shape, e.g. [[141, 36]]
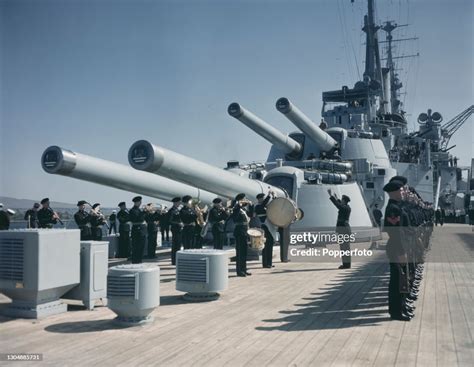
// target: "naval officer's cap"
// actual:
[[44, 201], [122, 203], [217, 201], [176, 200], [186, 198], [260, 196], [137, 199], [346, 198], [401, 179], [240, 196], [393, 186], [95, 205], [81, 202]]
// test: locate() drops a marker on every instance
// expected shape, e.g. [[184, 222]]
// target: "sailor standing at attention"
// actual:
[[83, 220], [240, 216], [394, 220], [261, 213], [124, 231], [139, 230], [342, 224], [174, 219], [189, 218]]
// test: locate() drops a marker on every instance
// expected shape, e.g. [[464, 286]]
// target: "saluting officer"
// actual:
[[217, 218], [137, 217], [174, 219], [83, 220], [240, 215], [189, 218], [394, 220], [123, 217], [260, 211], [46, 216], [342, 224]]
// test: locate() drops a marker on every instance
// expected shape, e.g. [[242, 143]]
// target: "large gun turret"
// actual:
[[146, 156], [301, 121], [56, 160], [268, 132]]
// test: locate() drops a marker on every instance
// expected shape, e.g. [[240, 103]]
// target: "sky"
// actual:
[[95, 76]]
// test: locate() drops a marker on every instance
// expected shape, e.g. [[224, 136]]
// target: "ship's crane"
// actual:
[[449, 128]]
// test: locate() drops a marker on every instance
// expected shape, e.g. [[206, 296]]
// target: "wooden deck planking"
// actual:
[[297, 314]]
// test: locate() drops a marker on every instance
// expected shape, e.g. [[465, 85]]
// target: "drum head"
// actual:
[[254, 232], [281, 212]]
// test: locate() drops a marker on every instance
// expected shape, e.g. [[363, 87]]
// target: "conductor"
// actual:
[[342, 225]]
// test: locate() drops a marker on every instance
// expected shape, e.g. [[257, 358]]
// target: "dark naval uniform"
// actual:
[[152, 229], [395, 220], [139, 231], [343, 227], [124, 232], [217, 218], [241, 220], [97, 221], [176, 227], [83, 221], [261, 213], [32, 217], [45, 218], [189, 219], [4, 220]]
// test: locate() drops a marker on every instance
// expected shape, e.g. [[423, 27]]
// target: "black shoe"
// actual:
[[344, 267], [400, 318], [241, 274], [248, 273]]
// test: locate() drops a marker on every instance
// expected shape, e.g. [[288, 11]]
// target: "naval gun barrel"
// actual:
[[146, 156], [324, 141], [56, 160], [268, 132]]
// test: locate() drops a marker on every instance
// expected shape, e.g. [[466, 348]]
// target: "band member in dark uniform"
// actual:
[[152, 216], [97, 221], [377, 213], [124, 231], [240, 216], [342, 225], [5, 219], [261, 213], [176, 224], [113, 222], [31, 216], [217, 218], [137, 217], [46, 216], [164, 226], [83, 220], [188, 217], [394, 221]]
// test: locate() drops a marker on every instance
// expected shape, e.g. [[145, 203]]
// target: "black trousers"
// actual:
[[241, 250], [138, 245], [267, 252], [96, 233], [218, 238], [284, 242], [188, 237], [346, 260], [176, 242], [113, 225], [198, 240], [152, 237], [165, 232], [395, 298], [124, 244]]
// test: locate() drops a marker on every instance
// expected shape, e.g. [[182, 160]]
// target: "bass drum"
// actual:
[[281, 212]]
